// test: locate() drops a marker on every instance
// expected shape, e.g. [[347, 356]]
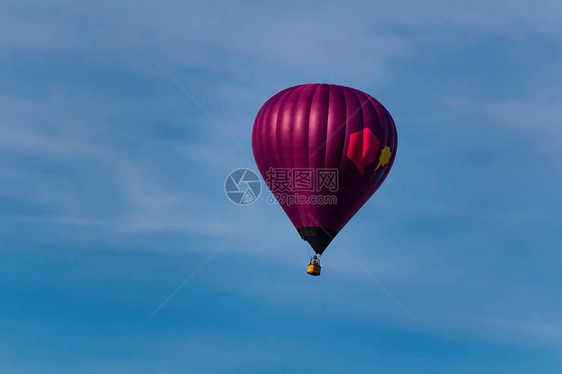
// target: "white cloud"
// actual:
[[88, 180]]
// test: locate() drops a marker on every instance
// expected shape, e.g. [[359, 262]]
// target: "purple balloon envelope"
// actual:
[[323, 151]]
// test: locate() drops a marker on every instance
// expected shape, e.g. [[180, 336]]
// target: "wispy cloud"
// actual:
[[85, 169]]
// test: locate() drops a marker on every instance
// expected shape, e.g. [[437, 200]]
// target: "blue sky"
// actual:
[[111, 188]]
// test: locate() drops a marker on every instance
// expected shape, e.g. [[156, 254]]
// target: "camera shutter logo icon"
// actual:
[[242, 186]]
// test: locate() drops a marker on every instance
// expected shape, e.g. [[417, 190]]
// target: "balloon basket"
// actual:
[[314, 267]]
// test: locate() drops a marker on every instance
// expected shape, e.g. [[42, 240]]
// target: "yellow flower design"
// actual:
[[384, 157]]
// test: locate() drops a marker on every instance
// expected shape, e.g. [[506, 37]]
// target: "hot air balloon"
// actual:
[[323, 151]]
